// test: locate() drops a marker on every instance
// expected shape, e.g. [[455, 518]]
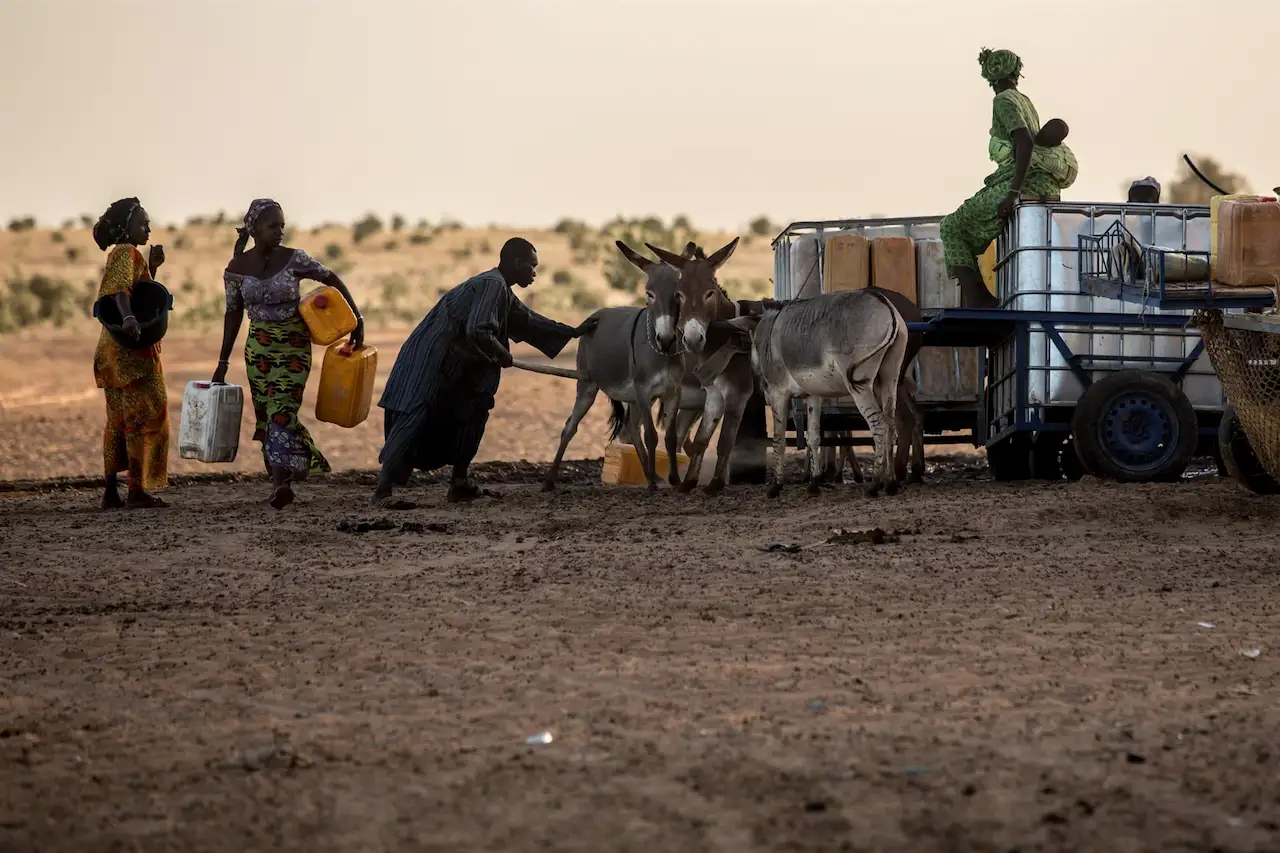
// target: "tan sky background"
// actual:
[[523, 111]]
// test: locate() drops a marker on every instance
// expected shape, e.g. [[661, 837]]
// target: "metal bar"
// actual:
[[1072, 360], [1021, 374], [1178, 375]]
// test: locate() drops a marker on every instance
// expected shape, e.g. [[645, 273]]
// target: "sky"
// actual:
[[520, 112]]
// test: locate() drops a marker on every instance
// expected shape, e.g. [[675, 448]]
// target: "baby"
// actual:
[[1052, 134]]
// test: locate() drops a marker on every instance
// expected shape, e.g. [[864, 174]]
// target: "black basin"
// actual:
[[151, 303]]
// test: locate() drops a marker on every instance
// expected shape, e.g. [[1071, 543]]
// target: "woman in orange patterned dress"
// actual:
[[137, 434]]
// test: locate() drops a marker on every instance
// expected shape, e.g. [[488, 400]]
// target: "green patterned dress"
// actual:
[[277, 358], [968, 231]]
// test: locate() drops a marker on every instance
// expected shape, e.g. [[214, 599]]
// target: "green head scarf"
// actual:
[[999, 65]]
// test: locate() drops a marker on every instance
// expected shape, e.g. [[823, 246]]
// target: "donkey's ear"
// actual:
[[746, 322], [677, 261], [723, 254], [630, 254], [693, 251]]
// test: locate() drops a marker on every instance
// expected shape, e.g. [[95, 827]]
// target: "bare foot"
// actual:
[[281, 497], [111, 498], [142, 500]]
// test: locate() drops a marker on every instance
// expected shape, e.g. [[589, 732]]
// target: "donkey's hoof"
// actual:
[[652, 487], [674, 482], [773, 491], [813, 487], [891, 489], [687, 486], [873, 491], [548, 486], [715, 487]]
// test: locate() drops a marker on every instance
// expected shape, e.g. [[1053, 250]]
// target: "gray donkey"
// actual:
[[719, 381], [850, 343], [634, 356]]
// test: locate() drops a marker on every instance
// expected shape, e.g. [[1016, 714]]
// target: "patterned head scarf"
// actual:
[[113, 226], [999, 65], [257, 207]]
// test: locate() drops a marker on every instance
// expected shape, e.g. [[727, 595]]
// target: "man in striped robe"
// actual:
[[442, 386]]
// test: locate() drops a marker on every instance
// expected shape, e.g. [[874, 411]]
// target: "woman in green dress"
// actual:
[[1024, 167]]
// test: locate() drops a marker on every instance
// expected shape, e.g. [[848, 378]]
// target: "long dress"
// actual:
[[136, 438], [968, 231], [277, 358], [442, 386]]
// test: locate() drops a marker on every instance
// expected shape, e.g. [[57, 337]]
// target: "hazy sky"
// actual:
[[522, 111]]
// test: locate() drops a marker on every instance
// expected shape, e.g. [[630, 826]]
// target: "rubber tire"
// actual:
[[1239, 459], [1045, 457], [1010, 460], [1098, 397]]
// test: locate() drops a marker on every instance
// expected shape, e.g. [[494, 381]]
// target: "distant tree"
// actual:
[[24, 223], [366, 227], [761, 226], [1186, 188], [397, 222]]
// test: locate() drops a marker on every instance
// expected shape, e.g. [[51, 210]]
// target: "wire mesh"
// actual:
[[1248, 364]]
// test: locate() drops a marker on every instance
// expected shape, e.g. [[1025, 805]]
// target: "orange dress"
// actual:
[[136, 438]]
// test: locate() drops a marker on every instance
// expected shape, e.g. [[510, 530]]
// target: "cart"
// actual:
[[1084, 367], [1244, 348]]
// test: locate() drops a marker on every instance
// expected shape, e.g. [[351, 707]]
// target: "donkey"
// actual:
[[850, 343], [719, 381], [633, 355], [910, 421]]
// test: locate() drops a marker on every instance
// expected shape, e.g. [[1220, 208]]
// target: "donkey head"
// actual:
[[660, 291], [701, 298]]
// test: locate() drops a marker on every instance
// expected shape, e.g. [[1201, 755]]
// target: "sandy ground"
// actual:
[[1002, 667], [53, 414], [1018, 667]]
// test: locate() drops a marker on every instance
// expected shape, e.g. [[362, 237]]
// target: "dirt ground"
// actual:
[[969, 666]]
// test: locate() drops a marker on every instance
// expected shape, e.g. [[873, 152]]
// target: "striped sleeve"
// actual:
[[490, 301]]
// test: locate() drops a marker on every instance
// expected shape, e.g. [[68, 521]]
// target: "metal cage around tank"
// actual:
[[1056, 335]]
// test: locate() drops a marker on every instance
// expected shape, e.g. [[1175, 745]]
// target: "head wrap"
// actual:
[[257, 207], [113, 226], [1148, 181], [999, 65]]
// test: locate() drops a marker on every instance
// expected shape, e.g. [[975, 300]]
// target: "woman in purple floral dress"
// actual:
[[265, 282]]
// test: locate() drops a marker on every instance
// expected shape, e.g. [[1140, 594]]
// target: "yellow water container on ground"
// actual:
[[622, 466], [847, 263], [327, 315], [1214, 204], [346, 384], [987, 266]]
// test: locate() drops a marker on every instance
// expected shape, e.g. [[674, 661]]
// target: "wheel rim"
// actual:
[[1139, 432]]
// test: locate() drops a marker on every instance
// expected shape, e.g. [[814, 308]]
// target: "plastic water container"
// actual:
[[622, 465], [346, 384], [1215, 204], [327, 315], [209, 429]]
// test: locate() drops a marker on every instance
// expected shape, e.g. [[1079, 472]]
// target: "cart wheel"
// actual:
[[1135, 427], [1238, 456], [1010, 459], [1046, 456], [1072, 467]]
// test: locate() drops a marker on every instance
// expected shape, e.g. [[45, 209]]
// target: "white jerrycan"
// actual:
[[209, 430]]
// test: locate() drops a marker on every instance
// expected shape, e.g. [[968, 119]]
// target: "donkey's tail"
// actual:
[[617, 419]]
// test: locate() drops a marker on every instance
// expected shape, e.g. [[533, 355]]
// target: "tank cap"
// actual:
[[321, 301]]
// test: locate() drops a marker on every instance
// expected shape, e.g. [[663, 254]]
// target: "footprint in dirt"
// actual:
[[350, 526]]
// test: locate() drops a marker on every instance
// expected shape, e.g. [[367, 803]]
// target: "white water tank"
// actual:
[[209, 430]]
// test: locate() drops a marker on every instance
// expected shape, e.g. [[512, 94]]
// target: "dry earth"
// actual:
[[1003, 667]]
